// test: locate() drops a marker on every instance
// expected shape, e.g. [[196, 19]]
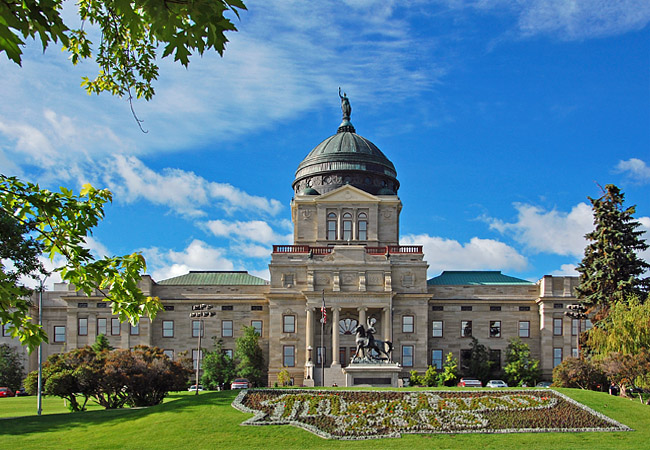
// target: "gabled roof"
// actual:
[[214, 278], [475, 277]]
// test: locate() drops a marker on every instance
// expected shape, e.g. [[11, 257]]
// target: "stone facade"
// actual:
[[345, 253]]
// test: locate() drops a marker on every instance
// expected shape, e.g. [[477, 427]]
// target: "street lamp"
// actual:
[[578, 312], [200, 312]]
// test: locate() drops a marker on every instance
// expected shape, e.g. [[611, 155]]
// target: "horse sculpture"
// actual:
[[366, 343]]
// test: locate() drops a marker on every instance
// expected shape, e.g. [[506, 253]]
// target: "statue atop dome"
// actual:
[[345, 106]]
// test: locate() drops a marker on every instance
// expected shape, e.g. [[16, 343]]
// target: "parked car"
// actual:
[[240, 383], [469, 382], [6, 392], [496, 384], [21, 392], [544, 384], [193, 388]]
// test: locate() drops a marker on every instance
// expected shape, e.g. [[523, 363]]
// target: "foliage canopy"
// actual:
[[250, 358], [124, 37], [57, 224], [520, 367], [11, 368]]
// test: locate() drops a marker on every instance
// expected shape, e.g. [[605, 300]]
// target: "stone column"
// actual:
[[386, 319], [309, 336], [335, 336], [362, 315]]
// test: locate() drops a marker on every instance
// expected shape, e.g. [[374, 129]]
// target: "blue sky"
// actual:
[[500, 116]]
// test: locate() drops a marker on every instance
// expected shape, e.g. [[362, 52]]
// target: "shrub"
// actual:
[[579, 373]]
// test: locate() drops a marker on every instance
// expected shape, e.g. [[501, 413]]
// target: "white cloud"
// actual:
[[567, 19], [636, 169], [254, 230], [196, 256], [566, 270], [549, 231], [184, 192], [477, 254]]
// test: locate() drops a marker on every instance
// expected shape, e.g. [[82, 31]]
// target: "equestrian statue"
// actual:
[[366, 343]]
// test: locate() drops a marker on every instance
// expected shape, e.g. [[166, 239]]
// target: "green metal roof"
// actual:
[[214, 278], [472, 277]]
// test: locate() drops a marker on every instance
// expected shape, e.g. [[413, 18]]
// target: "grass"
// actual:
[[209, 421]]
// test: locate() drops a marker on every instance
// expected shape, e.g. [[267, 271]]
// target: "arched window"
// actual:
[[347, 226], [362, 227], [331, 227]]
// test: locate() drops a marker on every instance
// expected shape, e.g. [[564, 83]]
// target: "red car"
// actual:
[[6, 392]]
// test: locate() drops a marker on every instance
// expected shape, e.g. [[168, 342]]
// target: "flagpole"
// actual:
[[322, 345]]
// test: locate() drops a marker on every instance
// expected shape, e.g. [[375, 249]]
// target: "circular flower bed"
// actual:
[[374, 414]]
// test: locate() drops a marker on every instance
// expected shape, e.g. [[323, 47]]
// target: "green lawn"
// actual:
[[186, 421]]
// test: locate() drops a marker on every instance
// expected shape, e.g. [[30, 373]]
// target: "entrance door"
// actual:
[[342, 357]]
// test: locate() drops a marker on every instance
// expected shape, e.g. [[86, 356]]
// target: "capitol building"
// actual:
[[346, 253]]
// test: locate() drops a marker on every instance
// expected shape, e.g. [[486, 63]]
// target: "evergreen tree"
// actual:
[[101, 343], [611, 269], [11, 368], [250, 358]]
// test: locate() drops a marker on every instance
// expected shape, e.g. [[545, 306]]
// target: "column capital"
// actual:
[[362, 308]]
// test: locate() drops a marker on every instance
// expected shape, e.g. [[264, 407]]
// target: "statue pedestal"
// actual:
[[367, 374]]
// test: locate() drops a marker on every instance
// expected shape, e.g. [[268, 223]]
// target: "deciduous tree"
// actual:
[[57, 223], [520, 367], [250, 358], [123, 37], [218, 368]]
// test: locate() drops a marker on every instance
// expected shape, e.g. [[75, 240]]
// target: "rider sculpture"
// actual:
[[366, 343]]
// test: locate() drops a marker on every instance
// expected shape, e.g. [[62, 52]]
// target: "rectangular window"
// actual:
[[331, 227], [196, 357], [436, 330], [347, 230], [524, 329], [465, 359], [168, 328], [288, 324], [256, 308], [465, 308], [115, 326], [558, 305], [82, 326], [5, 329], [197, 328], [82, 305], [59, 334], [407, 355], [524, 308], [321, 355], [574, 352], [495, 359], [226, 308], [495, 328], [101, 325], [257, 324], [557, 327], [226, 328], [168, 307], [437, 308], [466, 328], [436, 359], [574, 327], [408, 324], [557, 356], [289, 356], [135, 329], [363, 230], [101, 305], [588, 325], [227, 352], [495, 308], [169, 353]]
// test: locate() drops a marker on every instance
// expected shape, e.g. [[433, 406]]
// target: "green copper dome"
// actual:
[[346, 158]]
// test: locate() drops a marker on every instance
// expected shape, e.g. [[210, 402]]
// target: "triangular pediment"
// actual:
[[348, 193]]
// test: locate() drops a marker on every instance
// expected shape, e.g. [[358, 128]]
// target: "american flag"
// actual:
[[322, 310]]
